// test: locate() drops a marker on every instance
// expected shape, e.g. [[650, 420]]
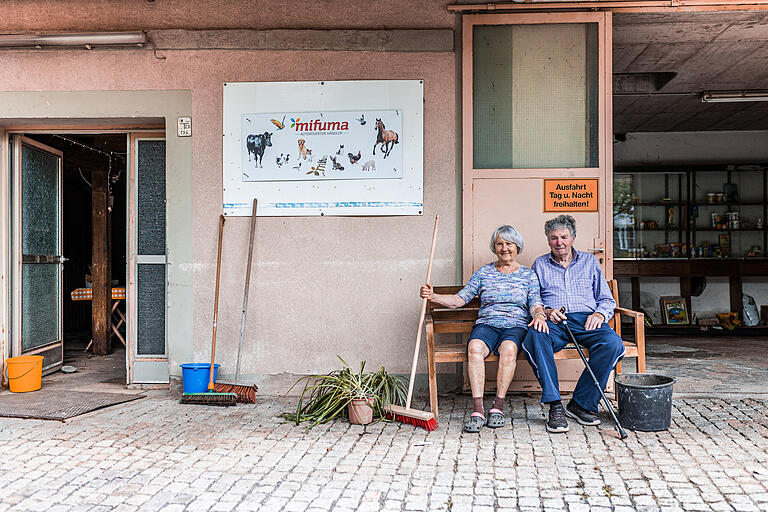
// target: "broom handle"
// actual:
[[245, 293], [216, 303], [421, 316]]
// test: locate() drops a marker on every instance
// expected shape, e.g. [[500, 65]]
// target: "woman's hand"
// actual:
[[539, 323], [426, 292]]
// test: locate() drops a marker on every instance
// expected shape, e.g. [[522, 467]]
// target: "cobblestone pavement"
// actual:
[[156, 454]]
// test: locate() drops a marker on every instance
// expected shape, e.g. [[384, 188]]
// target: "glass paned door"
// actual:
[[37, 247], [148, 275]]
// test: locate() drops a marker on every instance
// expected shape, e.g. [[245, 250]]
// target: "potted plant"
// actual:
[[359, 396]]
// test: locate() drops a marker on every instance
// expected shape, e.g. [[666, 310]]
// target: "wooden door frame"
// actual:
[[605, 125]]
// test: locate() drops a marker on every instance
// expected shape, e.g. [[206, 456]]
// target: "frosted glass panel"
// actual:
[[151, 309], [40, 204], [151, 197], [39, 304], [535, 96]]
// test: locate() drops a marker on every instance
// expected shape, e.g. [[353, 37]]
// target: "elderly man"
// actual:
[[574, 280]]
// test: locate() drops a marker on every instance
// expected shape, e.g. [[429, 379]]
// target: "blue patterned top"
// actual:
[[505, 299], [581, 287]]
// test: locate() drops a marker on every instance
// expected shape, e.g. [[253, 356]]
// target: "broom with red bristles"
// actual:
[[405, 414]]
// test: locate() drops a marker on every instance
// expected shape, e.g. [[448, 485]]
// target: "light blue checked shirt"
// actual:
[[580, 288]]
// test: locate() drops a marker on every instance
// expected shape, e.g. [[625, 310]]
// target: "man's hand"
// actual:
[[594, 321], [556, 316]]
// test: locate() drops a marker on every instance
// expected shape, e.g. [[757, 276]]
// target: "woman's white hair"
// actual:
[[560, 222], [508, 234]]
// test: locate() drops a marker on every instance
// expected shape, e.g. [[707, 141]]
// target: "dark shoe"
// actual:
[[580, 414], [495, 419], [474, 423], [556, 421]]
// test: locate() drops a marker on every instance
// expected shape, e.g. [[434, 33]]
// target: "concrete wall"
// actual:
[[694, 148], [320, 286]]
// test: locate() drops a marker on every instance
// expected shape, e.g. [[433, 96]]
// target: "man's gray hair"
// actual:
[[560, 222], [508, 234]]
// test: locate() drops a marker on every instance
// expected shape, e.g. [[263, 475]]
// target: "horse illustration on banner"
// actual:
[[387, 138]]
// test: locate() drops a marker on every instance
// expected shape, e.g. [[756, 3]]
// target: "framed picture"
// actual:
[[674, 311]]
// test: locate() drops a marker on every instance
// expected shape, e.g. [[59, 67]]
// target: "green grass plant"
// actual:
[[325, 397]]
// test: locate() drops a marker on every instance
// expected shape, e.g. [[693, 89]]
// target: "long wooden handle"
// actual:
[[216, 302], [251, 236], [421, 316]]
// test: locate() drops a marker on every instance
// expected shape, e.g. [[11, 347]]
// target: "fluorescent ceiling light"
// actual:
[[733, 96], [86, 40]]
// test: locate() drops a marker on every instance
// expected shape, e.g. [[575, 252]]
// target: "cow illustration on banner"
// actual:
[[319, 146]]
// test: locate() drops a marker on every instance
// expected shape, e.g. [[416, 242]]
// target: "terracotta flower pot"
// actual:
[[360, 411]]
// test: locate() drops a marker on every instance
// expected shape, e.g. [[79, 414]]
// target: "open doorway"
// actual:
[[87, 160], [691, 169], [691, 190]]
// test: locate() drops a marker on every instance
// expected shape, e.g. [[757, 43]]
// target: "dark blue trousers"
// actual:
[[605, 350]]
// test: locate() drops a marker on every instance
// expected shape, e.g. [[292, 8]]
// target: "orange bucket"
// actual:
[[25, 373]]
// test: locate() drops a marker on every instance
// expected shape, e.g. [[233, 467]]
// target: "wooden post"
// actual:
[[685, 292], [635, 288], [735, 285], [100, 275]]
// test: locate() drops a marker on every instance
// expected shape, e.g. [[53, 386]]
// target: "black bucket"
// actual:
[[645, 401]]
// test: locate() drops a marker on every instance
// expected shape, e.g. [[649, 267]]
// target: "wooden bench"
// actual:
[[440, 320]]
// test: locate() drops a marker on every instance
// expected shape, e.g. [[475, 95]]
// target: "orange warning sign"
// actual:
[[570, 195]]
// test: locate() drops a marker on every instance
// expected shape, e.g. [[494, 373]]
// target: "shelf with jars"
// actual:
[[691, 222], [690, 212]]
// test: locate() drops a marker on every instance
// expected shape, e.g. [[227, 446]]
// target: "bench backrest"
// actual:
[[462, 319], [453, 320]]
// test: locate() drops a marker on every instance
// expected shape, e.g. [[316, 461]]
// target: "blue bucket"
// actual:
[[195, 376]]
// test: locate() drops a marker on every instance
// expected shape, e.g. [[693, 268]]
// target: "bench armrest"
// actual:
[[639, 321], [629, 312]]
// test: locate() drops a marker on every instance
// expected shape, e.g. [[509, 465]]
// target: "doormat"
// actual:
[[58, 405]]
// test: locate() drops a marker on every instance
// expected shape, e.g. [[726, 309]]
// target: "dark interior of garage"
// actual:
[[691, 170]]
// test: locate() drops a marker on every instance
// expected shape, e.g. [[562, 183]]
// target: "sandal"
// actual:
[[496, 418], [475, 422]]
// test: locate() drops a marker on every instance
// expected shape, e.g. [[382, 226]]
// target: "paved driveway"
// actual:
[[156, 454]]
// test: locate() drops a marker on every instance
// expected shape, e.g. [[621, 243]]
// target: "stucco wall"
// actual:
[[320, 286], [101, 15]]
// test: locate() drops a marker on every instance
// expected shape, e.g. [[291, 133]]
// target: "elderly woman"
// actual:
[[509, 304]]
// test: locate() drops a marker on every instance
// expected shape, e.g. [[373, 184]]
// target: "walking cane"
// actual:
[[608, 405]]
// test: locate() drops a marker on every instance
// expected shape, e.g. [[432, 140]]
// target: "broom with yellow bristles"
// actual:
[[406, 414]]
